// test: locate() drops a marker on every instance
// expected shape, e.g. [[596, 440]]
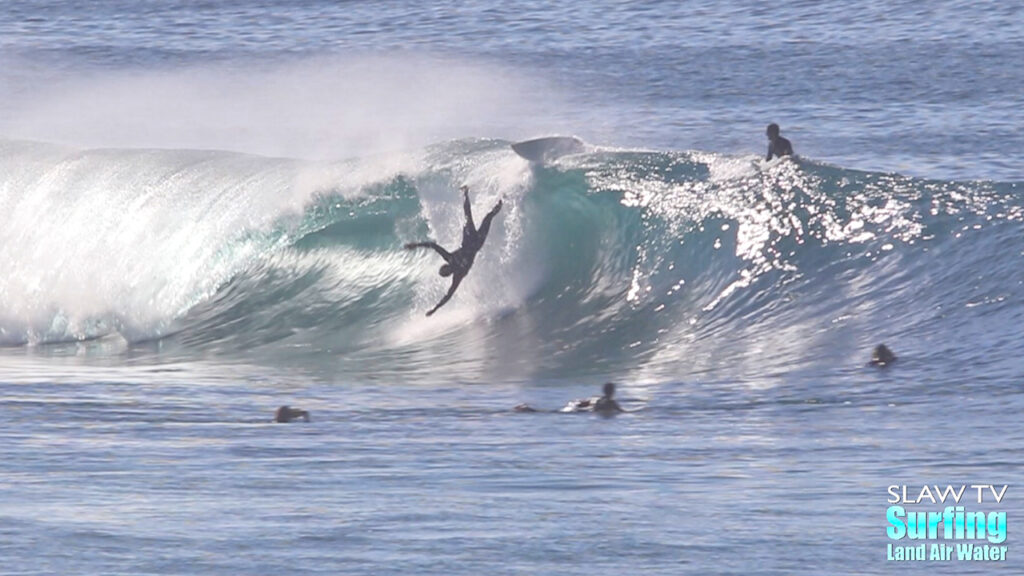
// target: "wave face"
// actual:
[[648, 264]]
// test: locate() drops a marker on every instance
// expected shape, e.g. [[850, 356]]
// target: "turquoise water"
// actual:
[[202, 209]]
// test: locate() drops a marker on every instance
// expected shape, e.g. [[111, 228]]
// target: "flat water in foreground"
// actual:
[[159, 471]]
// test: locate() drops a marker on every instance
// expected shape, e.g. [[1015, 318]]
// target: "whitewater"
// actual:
[[613, 261], [202, 217]]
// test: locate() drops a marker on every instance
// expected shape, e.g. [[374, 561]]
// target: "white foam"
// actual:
[[125, 241]]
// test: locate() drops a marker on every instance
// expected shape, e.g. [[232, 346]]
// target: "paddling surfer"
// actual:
[[287, 414], [605, 404], [882, 356]]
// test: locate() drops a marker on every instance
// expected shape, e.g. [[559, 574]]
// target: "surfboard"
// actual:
[[547, 149]]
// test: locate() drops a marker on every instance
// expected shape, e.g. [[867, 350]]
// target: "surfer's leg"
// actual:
[[467, 209], [485, 226]]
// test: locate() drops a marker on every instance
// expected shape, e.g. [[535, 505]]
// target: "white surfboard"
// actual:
[[548, 149]]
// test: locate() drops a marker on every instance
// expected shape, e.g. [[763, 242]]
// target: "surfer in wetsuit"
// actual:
[[458, 263], [882, 356], [777, 145], [286, 414], [606, 404], [602, 405]]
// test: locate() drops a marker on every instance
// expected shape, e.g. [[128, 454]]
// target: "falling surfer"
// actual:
[[458, 263]]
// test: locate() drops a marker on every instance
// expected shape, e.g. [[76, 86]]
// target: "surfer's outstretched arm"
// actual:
[[444, 253], [456, 280]]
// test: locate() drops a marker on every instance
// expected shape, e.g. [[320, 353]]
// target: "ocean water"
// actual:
[[202, 213]]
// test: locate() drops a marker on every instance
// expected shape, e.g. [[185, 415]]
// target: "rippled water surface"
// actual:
[[202, 208]]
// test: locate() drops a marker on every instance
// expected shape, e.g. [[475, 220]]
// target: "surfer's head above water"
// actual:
[[287, 414], [882, 356], [609, 389], [446, 270]]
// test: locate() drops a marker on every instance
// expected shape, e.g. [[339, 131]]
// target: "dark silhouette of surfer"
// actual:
[[458, 263], [777, 145], [286, 414], [605, 404], [882, 356]]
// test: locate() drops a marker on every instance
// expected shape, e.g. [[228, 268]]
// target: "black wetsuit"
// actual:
[[461, 260], [286, 414], [779, 147], [606, 404]]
